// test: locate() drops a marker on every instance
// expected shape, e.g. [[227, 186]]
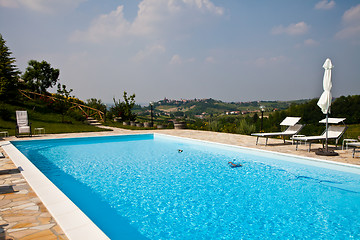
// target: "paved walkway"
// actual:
[[23, 216]]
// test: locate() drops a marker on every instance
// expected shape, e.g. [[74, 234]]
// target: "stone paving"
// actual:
[[23, 216]]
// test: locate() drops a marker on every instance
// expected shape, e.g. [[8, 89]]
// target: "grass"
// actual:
[[41, 117], [353, 131]]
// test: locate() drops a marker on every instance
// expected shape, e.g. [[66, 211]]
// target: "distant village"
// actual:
[[205, 100], [181, 101], [252, 107]]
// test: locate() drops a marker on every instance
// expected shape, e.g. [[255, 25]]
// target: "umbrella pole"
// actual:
[[327, 115], [325, 150]]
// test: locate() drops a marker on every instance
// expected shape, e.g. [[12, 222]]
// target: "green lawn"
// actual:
[[40, 117], [353, 131]]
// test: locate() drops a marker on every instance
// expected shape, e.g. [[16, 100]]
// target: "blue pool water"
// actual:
[[141, 187]]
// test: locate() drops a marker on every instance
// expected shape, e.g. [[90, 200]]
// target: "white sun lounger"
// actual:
[[354, 145], [334, 132], [293, 129]]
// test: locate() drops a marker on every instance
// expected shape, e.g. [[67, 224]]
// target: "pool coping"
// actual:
[[75, 223]]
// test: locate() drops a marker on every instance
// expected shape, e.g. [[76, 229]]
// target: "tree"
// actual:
[[97, 104], [9, 74], [40, 76], [62, 105], [123, 109], [255, 118], [347, 107]]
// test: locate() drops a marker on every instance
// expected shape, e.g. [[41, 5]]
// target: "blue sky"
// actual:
[[232, 50]]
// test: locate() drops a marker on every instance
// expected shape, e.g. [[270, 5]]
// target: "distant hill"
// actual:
[[198, 107]]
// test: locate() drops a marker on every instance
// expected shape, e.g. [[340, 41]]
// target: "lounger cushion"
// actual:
[[292, 130], [334, 132], [310, 138], [24, 129], [22, 118], [356, 144]]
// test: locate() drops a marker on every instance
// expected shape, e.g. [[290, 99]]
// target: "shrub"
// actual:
[[76, 115], [5, 113], [214, 126], [245, 128]]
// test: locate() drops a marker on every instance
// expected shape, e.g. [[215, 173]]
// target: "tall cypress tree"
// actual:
[[9, 73]]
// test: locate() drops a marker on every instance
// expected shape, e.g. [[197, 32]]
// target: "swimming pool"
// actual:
[[142, 187]]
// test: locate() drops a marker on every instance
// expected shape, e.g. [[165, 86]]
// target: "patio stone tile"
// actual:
[[44, 226], [20, 234], [42, 235], [25, 205], [32, 208], [18, 218], [44, 220], [16, 197], [16, 203], [22, 214], [25, 224], [45, 214], [4, 202]]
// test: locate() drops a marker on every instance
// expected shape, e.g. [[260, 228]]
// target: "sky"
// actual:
[[233, 50]]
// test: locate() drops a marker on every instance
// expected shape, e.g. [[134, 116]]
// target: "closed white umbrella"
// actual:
[[325, 99]]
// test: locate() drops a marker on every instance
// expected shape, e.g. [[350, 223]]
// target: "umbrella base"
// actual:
[[323, 152]]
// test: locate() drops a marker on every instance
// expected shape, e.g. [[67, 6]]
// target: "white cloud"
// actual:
[[205, 5], [325, 5], [349, 32], [9, 3], [176, 59], [310, 42], [153, 17], [352, 16], [299, 28], [151, 13], [307, 43], [210, 59], [148, 52], [43, 6], [112, 25], [351, 24]]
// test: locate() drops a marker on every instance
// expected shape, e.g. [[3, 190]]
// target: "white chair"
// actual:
[[293, 129], [334, 132], [22, 124], [354, 145]]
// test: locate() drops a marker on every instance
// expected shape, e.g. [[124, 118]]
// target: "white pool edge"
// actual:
[[74, 223]]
